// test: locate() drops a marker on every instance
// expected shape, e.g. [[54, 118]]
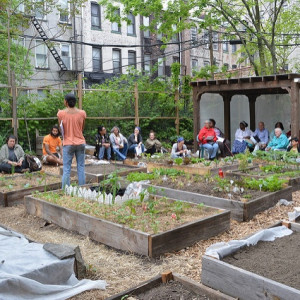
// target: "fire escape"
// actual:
[[48, 43]]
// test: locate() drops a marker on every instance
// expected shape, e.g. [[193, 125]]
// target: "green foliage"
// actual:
[[178, 161], [271, 168], [139, 176], [268, 184]]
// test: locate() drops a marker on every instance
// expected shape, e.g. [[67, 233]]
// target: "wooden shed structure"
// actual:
[[251, 87]]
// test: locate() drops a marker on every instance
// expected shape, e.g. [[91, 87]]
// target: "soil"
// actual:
[[106, 169], [277, 260], [206, 186], [283, 173], [172, 290]]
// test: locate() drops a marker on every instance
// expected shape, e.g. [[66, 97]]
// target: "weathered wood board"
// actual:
[[240, 211], [124, 238]]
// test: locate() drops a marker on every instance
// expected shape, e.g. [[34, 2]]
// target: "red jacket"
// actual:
[[205, 132]]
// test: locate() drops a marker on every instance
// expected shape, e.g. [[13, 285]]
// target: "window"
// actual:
[[39, 10], [20, 41], [206, 39], [226, 67], [225, 47], [233, 48], [146, 23], [132, 59], [21, 7], [65, 13], [215, 37], [286, 67], [147, 63], [97, 59], [160, 66], [117, 68], [195, 64], [175, 59], [66, 57], [115, 26], [206, 63], [159, 34], [175, 37], [194, 34], [41, 59], [234, 66], [95, 16], [41, 94], [131, 26]]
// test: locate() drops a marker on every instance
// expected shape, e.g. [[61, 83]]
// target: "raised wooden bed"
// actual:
[[294, 182], [9, 198], [125, 238], [240, 211], [243, 284], [188, 284], [96, 173]]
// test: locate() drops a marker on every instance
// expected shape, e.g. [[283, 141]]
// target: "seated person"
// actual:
[[51, 143], [135, 142], [102, 144], [118, 143], [277, 125], [260, 137], [179, 149], [241, 135], [295, 146], [289, 133], [208, 138], [12, 157], [224, 144], [279, 141], [152, 144]]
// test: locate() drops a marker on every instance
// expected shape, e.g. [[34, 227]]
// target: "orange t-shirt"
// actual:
[[73, 126], [52, 142]]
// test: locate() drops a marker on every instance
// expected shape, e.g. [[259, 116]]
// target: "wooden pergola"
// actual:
[[251, 87]]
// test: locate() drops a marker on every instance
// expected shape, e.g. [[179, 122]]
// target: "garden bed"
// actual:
[[96, 173], [269, 270], [170, 286], [148, 227], [14, 188]]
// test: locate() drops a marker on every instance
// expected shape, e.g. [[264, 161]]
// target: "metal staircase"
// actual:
[[48, 43]]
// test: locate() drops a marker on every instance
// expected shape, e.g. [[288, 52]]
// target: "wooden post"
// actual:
[[295, 109], [136, 105], [14, 104], [79, 91], [252, 100], [227, 116], [196, 115], [177, 111]]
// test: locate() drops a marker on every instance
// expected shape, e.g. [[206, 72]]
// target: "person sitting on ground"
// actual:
[[260, 137], [241, 134], [289, 133], [102, 144], [208, 138], [52, 143], [119, 143], [152, 144], [279, 141], [135, 142], [179, 149], [12, 157], [295, 146], [224, 144], [277, 125]]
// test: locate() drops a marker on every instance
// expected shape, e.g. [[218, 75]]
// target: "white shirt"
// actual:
[[240, 134]]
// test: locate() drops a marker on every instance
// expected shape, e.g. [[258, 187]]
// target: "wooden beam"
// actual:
[[227, 116], [79, 92], [176, 100], [136, 105], [196, 115], [14, 104], [252, 100], [295, 109]]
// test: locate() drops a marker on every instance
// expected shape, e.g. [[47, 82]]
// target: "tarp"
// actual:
[[27, 271]]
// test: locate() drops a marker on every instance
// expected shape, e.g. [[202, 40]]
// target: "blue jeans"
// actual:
[[120, 153], [102, 151], [133, 146], [211, 149], [68, 154]]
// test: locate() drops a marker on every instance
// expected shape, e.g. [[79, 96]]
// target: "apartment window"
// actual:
[[131, 26], [225, 47], [39, 9], [194, 34], [233, 48], [147, 63], [286, 67], [175, 59], [95, 16], [234, 67], [195, 64], [20, 41], [160, 66], [206, 63], [117, 67], [41, 94], [206, 39], [66, 56], [97, 59], [226, 67], [41, 59], [215, 37], [146, 23], [132, 59], [159, 34], [175, 37], [115, 26], [65, 13]]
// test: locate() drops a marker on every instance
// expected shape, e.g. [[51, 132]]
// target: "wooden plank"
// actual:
[[243, 284]]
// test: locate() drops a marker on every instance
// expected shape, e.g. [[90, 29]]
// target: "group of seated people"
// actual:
[[260, 139]]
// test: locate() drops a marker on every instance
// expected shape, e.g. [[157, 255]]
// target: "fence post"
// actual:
[[136, 105], [79, 91], [14, 104], [177, 111]]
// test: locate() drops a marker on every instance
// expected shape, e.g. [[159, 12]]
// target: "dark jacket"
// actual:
[[98, 139], [131, 140]]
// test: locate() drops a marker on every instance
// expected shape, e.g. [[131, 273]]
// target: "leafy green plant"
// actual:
[[271, 168], [270, 184], [178, 161]]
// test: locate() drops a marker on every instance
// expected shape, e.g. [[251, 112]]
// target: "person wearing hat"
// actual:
[[179, 149], [295, 146], [135, 142], [241, 135]]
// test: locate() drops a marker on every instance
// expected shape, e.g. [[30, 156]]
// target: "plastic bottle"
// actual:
[[221, 174]]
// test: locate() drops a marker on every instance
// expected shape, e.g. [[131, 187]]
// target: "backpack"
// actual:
[[34, 163]]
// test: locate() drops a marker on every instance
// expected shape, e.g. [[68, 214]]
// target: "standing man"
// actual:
[[72, 120], [51, 144], [102, 144]]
